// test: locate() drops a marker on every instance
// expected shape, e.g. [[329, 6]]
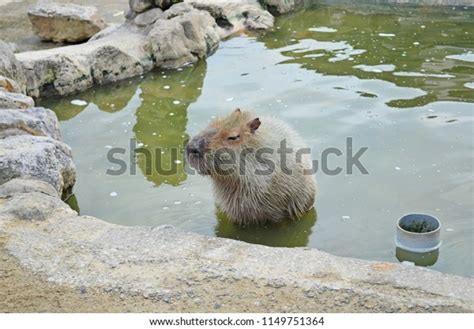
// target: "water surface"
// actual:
[[397, 81]]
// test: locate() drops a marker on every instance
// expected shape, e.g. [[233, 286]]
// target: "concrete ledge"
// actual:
[[166, 265]]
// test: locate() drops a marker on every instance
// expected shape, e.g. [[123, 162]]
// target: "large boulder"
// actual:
[[36, 121], [58, 74], [39, 157], [10, 100], [110, 64], [12, 74], [186, 36], [65, 22]]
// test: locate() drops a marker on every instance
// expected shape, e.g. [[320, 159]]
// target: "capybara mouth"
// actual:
[[196, 161]]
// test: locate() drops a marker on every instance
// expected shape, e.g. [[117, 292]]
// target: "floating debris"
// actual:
[[376, 68], [113, 194], [78, 102], [398, 168], [176, 102], [469, 85], [386, 34], [323, 29], [420, 74], [230, 99], [166, 87]]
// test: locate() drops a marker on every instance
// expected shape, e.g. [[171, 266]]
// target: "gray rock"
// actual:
[[66, 70], [165, 4], [182, 39], [279, 7], [105, 32], [33, 206], [139, 6], [148, 17], [110, 64], [10, 100], [65, 22], [25, 185], [233, 16], [39, 157], [11, 70], [36, 121], [58, 74]]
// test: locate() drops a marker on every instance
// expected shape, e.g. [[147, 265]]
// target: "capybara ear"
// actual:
[[254, 124], [237, 110]]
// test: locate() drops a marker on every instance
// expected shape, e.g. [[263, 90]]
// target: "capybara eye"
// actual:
[[233, 138]]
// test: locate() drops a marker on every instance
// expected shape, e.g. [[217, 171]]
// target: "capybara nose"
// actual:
[[194, 147], [192, 150]]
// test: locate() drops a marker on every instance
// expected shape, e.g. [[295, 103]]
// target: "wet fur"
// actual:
[[250, 198]]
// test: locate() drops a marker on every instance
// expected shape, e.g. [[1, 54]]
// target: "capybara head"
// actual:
[[221, 139]]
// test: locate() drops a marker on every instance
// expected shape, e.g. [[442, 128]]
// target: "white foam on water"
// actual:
[[386, 34]]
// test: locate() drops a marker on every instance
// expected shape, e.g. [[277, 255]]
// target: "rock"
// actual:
[[57, 75], [9, 85], [65, 22], [39, 157], [10, 100], [34, 206], [279, 7], [66, 70], [36, 121], [12, 73], [139, 6], [233, 16], [109, 64], [105, 32], [148, 17], [180, 35], [25, 185], [183, 38], [165, 4]]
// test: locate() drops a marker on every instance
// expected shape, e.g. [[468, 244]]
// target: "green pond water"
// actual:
[[398, 81]]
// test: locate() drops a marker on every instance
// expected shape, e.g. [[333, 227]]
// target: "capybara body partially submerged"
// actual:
[[260, 167]]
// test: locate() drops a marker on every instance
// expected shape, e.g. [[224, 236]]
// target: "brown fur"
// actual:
[[251, 198]]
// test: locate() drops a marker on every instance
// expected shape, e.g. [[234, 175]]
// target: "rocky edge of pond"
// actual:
[[163, 268], [156, 34]]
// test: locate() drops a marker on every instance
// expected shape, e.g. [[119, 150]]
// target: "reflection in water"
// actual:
[[419, 259], [161, 123], [417, 45], [282, 234]]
